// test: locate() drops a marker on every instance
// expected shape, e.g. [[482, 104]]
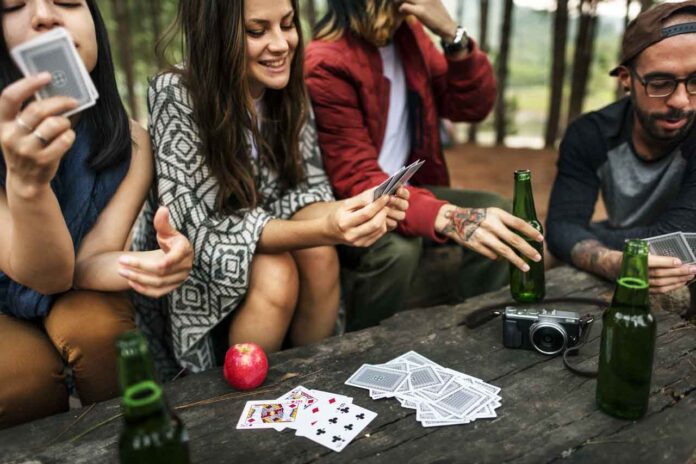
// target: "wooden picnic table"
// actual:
[[547, 414]]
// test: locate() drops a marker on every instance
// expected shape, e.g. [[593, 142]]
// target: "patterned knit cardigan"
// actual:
[[178, 326]]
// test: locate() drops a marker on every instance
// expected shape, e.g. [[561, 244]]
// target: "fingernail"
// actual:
[[123, 273], [44, 75], [540, 238], [127, 260], [692, 269], [525, 268], [537, 258], [677, 262]]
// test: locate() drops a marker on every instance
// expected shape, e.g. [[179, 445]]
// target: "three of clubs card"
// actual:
[[55, 52]]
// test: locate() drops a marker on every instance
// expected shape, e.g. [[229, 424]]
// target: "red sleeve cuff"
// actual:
[[421, 215]]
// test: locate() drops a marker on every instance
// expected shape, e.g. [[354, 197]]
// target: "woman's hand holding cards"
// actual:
[[156, 273], [35, 139], [359, 221]]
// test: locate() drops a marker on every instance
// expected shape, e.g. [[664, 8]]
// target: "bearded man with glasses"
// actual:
[[639, 152]]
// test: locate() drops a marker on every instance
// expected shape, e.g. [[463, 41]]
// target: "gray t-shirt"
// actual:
[[643, 198]]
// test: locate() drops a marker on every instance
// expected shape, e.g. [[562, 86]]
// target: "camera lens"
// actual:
[[548, 338]]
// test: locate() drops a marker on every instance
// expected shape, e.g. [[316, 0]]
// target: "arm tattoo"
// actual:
[[463, 222], [590, 255]]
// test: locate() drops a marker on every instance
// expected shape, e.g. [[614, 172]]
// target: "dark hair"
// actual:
[[372, 20], [215, 76], [106, 122]]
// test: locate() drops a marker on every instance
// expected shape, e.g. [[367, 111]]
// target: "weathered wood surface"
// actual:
[[547, 414]]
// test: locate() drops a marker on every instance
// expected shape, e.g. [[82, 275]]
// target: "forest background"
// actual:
[[552, 58]]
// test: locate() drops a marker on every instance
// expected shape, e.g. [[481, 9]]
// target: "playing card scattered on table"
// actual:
[[440, 396], [326, 418], [676, 245]]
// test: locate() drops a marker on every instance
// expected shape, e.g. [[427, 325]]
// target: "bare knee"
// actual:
[[274, 278], [317, 263]]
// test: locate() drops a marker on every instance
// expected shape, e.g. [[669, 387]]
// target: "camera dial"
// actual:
[[548, 337]]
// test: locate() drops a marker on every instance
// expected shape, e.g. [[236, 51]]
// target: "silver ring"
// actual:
[[20, 122], [41, 138]]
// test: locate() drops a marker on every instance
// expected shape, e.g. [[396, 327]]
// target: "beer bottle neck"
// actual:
[[523, 203], [632, 293], [143, 402], [632, 288], [134, 361]]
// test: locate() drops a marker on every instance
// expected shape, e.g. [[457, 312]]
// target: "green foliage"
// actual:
[[529, 67]]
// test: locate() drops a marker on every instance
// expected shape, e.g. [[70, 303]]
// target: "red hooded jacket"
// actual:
[[350, 96]]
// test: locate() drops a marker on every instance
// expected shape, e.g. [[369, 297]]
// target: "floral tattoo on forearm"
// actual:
[[590, 255], [463, 222]]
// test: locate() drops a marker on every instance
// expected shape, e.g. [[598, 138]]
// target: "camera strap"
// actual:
[[484, 314], [586, 323]]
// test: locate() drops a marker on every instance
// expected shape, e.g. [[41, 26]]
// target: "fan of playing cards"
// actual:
[[55, 52], [676, 245], [398, 179], [440, 396], [325, 418]]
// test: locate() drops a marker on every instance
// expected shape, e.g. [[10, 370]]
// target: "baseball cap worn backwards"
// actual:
[[646, 29]]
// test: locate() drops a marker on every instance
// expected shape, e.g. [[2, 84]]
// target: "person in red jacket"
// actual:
[[379, 87]]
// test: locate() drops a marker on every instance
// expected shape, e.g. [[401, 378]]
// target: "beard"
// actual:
[[649, 122]]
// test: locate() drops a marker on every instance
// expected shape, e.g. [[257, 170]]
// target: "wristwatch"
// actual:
[[461, 40]]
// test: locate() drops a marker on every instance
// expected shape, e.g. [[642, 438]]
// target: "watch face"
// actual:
[[460, 40]]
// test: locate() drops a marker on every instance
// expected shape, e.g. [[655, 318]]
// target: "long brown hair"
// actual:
[[372, 20], [214, 72]]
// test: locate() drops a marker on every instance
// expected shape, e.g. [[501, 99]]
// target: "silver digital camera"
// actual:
[[546, 331]]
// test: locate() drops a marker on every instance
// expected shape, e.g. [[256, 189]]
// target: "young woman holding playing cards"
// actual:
[[70, 191], [239, 167]]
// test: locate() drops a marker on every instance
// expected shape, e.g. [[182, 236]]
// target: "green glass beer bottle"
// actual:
[[152, 433], [628, 340], [530, 286]]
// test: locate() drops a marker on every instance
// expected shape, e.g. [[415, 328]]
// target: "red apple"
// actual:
[[246, 366]]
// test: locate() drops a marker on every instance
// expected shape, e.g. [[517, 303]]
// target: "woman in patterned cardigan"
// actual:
[[239, 168]]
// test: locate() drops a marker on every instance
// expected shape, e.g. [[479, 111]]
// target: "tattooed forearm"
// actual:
[[592, 256], [463, 222]]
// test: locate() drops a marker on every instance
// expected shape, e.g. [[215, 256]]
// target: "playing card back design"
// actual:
[[690, 239], [377, 378], [674, 245], [54, 52]]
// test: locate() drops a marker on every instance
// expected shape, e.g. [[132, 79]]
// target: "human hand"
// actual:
[[667, 274], [433, 15], [359, 221], [157, 273], [487, 231], [33, 140], [397, 208]]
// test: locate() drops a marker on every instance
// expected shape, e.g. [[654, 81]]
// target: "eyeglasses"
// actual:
[[664, 86]]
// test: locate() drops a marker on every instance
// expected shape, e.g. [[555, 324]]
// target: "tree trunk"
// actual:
[[502, 71], [560, 37], [484, 8], [620, 91], [460, 11], [122, 16], [584, 50], [646, 4], [311, 11], [155, 13]]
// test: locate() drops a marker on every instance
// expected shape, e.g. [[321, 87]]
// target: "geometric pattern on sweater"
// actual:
[[178, 325]]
